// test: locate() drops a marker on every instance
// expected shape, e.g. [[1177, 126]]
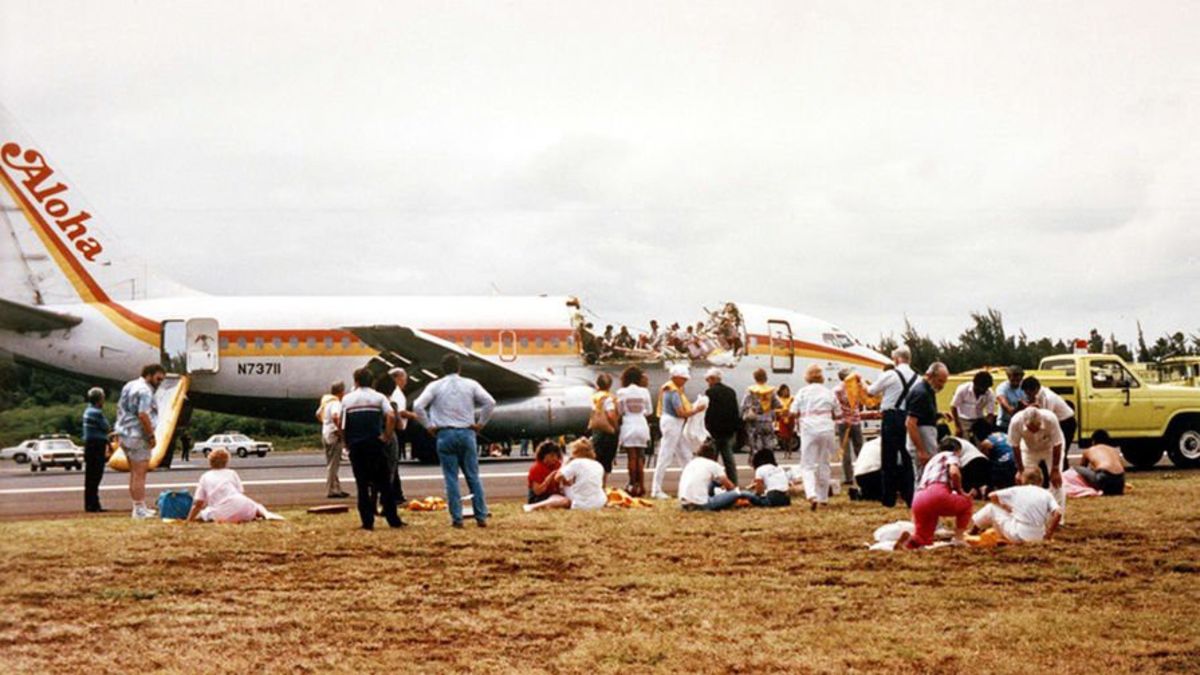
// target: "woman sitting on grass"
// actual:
[[543, 475], [770, 481], [582, 479], [219, 495]]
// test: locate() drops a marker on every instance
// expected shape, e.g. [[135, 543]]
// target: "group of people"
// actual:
[[722, 331]]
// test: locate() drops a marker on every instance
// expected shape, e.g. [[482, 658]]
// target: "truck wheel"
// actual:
[[241, 452], [1183, 445], [1142, 454]]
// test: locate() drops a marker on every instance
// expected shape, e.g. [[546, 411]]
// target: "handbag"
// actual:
[[174, 504], [599, 419]]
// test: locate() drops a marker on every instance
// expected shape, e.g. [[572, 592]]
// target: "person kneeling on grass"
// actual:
[[219, 495], [1023, 513], [543, 475], [770, 481], [939, 494], [701, 477], [582, 480]]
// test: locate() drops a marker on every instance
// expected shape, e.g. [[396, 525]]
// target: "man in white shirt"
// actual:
[[698, 479], [1022, 513], [1046, 399], [973, 401], [330, 414], [1036, 439], [403, 415], [896, 464]]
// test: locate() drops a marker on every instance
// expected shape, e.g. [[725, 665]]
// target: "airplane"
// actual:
[[72, 301]]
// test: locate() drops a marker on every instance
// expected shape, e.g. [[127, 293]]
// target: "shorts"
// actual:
[[605, 446], [137, 449]]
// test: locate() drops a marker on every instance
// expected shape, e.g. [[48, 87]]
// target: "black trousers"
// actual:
[[1068, 427], [896, 470], [372, 480], [93, 463]]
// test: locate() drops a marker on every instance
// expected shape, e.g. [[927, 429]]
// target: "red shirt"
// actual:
[[537, 475]]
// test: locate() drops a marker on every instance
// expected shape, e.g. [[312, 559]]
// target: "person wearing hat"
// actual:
[[673, 410], [722, 420]]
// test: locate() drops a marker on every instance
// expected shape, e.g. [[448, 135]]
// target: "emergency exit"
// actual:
[[190, 346]]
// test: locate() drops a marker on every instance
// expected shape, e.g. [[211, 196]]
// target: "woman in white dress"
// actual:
[[219, 495], [634, 406], [813, 407], [582, 480]]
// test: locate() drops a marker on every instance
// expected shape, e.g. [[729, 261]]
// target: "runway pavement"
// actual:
[[284, 479]]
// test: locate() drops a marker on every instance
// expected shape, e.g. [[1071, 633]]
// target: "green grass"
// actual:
[[656, 590]]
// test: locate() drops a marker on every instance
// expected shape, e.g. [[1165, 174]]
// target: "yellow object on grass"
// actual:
[[427, 504], [622, 500]]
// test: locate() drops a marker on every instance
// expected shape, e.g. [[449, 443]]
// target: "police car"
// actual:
[[237, 444], [55, 451]]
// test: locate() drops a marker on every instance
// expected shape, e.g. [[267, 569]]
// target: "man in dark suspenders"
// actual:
[[896, 469]]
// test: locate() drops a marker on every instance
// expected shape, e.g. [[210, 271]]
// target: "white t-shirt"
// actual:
[[814, 406], [586, 488], [696, 478], [401, 402], [1037, 443], [870, 457], [970, 406], [1048, 400], [329, 416], [1031, 505], [773, 477]]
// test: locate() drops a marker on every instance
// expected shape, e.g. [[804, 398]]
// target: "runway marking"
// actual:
[[278, 481]]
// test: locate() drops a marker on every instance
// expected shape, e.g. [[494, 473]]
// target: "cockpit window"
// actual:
[[838, 339]]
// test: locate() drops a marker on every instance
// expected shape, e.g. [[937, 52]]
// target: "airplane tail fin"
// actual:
[[53, 248]]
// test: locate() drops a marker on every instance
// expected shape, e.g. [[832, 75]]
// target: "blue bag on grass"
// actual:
[[174, 504]]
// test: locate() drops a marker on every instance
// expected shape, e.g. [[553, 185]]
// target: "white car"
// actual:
[[237, 444], [19, 453], [55, 452]]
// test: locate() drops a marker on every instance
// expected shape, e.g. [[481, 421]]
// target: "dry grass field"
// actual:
[[643, 591]]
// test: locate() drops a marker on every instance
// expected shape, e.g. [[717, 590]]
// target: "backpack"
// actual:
[[174, 504]]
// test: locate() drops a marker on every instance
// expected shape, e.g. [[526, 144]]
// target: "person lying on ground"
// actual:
[[219, 495], [582, 481], [1023, 513], [770, 482], [939, 494], [701, 477], [543, 475], [1101, 465]]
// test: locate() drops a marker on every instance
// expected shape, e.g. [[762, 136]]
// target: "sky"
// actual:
[[863, 162]]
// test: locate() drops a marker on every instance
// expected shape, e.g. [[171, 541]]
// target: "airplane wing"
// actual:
[[23, 318], [421, 355]]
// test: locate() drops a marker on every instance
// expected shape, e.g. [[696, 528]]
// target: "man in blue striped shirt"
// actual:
[[95, 445]]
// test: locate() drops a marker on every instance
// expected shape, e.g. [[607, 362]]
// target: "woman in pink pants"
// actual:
[[940, 494]]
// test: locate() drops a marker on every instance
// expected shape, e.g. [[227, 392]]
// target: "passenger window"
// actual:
[[1111, 375]]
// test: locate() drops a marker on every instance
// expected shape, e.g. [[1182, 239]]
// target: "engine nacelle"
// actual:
[[562, 407]]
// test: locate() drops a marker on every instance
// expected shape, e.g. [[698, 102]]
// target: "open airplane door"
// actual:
[[169, 397]]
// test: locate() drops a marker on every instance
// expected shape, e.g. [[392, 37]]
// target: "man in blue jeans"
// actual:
[[448, 409]]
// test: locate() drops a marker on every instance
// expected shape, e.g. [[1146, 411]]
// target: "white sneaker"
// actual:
[[528, 508], [660, 495], [142, 513]]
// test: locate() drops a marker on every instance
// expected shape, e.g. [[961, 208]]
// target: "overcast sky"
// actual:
[[860, 162]]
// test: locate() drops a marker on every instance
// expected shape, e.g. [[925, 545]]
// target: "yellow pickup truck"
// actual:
[[1144, 419]]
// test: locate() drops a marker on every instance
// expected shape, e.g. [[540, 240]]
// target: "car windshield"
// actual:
[[58, 445]]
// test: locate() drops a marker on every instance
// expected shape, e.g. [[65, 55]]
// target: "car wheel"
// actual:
[[241, 452], [1142, 454], [1184, 446], [42, 467], [33, 468], [20, 458], [262, 453], [206, 452]]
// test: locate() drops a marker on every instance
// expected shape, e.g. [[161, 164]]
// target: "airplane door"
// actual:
[[508, 346], [783, 357], [202, 354]]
